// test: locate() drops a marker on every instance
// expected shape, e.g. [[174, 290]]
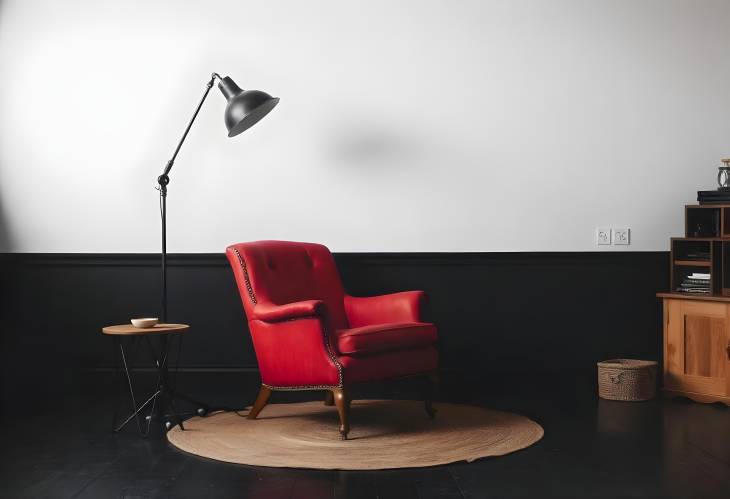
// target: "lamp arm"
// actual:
[[164, 179]]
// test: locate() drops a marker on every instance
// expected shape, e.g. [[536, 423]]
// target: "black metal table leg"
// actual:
[[117, 379], [136, 409], [162, 386]]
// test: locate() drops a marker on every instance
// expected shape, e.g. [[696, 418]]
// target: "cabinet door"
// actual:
[[696, 335]]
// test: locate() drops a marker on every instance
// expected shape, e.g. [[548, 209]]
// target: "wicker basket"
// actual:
[[627, 379]]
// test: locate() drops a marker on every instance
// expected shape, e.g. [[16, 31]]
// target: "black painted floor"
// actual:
[[592, 448]]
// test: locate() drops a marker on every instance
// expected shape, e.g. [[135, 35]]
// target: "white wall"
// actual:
[[403, 126]]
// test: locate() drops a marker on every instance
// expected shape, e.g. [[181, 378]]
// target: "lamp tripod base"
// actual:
[[160, 405]]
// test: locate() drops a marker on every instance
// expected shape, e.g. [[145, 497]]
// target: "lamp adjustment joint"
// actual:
[[213, 76]]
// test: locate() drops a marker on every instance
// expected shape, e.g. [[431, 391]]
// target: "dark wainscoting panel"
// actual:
[[495, 311], [528, 311]]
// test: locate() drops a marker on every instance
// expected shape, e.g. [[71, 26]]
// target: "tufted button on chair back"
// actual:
[[282, 272]]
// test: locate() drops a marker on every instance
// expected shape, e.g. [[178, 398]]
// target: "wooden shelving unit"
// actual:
[[704, 248], [697, 325]]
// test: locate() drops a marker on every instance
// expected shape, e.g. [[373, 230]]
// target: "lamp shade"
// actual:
[[245, 107]]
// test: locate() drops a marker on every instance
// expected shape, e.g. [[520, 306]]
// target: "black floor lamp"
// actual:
[[244, 109]]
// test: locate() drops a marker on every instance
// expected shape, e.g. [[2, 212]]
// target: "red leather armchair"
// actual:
[[309, 335]]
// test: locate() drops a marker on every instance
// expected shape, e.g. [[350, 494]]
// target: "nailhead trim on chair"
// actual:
[[301, 388], [245, 277], [325, 338], [332, 356]]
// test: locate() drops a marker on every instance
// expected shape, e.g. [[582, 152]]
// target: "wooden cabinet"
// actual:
[[697, 347]]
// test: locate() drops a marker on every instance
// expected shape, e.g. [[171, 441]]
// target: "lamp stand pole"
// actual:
[[162, 182]]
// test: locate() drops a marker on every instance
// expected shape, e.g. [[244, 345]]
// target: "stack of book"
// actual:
[[697, 282], [719, 196]]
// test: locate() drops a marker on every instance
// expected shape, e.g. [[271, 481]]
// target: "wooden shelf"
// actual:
[[691, 238], [694, 296], [693, 263]]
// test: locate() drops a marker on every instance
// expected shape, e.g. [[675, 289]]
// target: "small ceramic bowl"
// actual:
[[146, 322]]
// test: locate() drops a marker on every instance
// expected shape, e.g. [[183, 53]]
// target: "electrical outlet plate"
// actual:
[[622, 236], [603, 236]]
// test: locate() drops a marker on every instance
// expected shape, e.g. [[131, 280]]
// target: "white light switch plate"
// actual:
[[622, 235], [603, 236]]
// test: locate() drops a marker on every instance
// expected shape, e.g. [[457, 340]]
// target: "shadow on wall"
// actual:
[[357, 145]]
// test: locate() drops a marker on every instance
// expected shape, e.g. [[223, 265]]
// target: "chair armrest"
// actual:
[[405, 306], [295, 353], [269, 312]]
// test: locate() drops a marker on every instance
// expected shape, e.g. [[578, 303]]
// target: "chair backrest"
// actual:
[[283, 272]]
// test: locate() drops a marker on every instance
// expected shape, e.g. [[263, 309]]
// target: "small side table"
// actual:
[[164, 392]]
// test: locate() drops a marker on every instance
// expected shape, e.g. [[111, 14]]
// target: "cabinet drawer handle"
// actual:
[[728, 351]]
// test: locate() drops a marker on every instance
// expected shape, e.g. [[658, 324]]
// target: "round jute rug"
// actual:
[[385, 434]]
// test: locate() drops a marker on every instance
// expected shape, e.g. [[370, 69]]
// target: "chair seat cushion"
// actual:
[[388, 365], [385, 337]]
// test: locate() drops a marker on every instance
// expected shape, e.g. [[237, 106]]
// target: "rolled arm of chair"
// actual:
[[406, 306], [269, 312]]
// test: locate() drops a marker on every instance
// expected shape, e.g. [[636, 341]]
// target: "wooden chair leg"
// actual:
[[342, 401], [329, 398], [261, 401], [432, 379]]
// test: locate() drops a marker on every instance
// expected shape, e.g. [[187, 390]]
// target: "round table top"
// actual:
[[130, 330]]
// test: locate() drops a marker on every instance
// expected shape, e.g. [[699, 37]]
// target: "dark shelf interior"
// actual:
[[687, 249], [703, 222]]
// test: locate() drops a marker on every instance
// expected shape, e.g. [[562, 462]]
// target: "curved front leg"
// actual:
[[342, 402], [261, 401]]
